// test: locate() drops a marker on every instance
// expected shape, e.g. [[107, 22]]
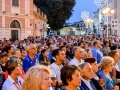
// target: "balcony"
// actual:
[[40, 15]]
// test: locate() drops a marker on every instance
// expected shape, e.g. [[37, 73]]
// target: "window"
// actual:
[[15, 3], [15, 24]]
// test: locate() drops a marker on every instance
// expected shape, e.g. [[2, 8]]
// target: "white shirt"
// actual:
[[87, 83], [56, 72], [76, 62], [9, 83]]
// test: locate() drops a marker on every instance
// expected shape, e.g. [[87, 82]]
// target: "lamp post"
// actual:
[[85, 17], [108, 12], [89, 22], [100, 4]]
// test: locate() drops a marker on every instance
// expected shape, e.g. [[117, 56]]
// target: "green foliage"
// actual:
[[57, 11]]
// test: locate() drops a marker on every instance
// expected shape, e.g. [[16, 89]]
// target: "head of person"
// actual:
[[32, 49], [4, 43], [84, 54], [80, 44], [14, 57], [106, 44], [8, 42], [23, 52], [97, 44], [86, 45], [59, 55], [45, 53], [37, 78], [20, 44], [15, 42], [52, 47], [70, 75], [63, 48], [86, 71], [47, 64], [40, 48], [13, 67], [93, 63], [9, 49], [115, 55], [69, 45], [89, 53], [3, 58], [90, 44], [77, 51], [107, 63], [51, 41], [17, 52]]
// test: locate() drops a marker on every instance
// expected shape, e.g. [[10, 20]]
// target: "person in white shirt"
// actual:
[[14, 81], [56, 67], [77, 51]]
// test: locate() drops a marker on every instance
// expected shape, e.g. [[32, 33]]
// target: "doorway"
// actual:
[[14, 35], [14, 32]]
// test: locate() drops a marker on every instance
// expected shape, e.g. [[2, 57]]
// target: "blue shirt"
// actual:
[[96, 54], [28, 62], [50, 55], [118, 63], [109, 82]]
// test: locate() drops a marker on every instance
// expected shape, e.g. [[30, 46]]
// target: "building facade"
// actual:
[[82, 26], [20, 19], [76, 28]]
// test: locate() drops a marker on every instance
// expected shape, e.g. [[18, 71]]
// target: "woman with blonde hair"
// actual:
[[107, 66], [116, 71], [37, 78]]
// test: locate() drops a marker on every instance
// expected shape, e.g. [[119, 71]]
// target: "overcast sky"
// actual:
[[82, 5]]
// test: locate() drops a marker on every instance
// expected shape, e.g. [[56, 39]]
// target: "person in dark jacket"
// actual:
[[98, 82], [86, 73]]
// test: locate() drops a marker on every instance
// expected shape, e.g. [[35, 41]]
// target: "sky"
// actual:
[[82, 5]]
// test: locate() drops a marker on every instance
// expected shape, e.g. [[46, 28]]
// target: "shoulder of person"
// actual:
[[53, 66]]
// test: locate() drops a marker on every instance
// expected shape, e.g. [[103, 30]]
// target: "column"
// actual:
[[3, 5], [3, 26]]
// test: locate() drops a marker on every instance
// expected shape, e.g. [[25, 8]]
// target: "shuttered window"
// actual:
[[15, 3]]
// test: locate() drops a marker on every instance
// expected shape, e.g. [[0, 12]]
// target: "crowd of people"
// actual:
[[60, 63]]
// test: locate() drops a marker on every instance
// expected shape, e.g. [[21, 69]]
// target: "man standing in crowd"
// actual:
[[56, 67], [106, 48], [96, 52], [30, 59], [52, 47], [77, 51]]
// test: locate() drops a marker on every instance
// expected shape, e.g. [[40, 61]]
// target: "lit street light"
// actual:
[[88, 23], [108, 12]]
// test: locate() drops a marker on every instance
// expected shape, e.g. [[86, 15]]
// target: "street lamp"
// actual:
[[100, 4], [89, 21], [108, 12], [85, 17]]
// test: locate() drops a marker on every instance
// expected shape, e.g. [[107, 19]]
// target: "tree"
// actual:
[[57, 11]]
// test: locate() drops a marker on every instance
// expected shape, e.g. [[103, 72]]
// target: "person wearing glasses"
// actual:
[[31, 58]]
